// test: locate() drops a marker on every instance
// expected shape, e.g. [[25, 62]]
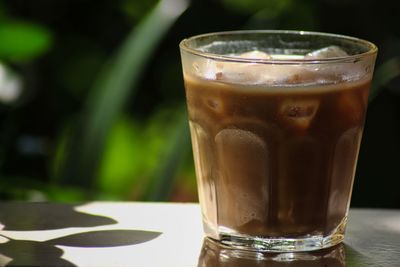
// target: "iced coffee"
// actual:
[[276, 129]]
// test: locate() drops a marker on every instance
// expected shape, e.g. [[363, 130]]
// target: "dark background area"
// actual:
[[60, 51]]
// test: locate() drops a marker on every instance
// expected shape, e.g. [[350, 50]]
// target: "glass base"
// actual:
[[280, 244], [310, 242], [262, 244]]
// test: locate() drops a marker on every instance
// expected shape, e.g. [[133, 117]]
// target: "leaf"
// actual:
[[10, 85], [22, 41], [112, 88]]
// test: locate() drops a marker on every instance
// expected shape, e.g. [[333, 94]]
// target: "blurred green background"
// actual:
[[92, 98]]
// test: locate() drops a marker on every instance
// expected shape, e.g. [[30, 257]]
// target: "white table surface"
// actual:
[[175, 230], [115, 234]]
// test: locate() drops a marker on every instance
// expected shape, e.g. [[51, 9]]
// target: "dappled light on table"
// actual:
[[100, 234]]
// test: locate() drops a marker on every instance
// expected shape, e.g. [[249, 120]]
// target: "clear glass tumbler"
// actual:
[[276, 120]]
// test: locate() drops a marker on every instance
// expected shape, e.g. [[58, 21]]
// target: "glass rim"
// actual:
[[372, 48]]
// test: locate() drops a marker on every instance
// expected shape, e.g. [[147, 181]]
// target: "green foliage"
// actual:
[[135, 153], [125, 158], [111, 91], [285, 14], [23, 188], [385, 73], [79, 69], [108, 152], [11, 85], [22, 41], [270, 8], [300, 16], [167, 167], [137, 9]]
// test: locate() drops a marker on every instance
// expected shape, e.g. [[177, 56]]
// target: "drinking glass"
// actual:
[[276, 120]]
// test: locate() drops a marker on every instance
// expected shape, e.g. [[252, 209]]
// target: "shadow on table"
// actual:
[[46, 216], [43, 216], [214, 255]]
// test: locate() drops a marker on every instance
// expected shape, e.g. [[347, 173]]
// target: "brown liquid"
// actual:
[[277, 161]]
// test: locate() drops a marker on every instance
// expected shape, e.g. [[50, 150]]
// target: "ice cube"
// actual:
[[327, 52], [246, 73], [344, 159], [238, 73], [206, 68], [243, 167], [351, 107], [253, 73], [215, 104], [229, 71], [234, 72], [259, 74], [255, 54], [299, 113]]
